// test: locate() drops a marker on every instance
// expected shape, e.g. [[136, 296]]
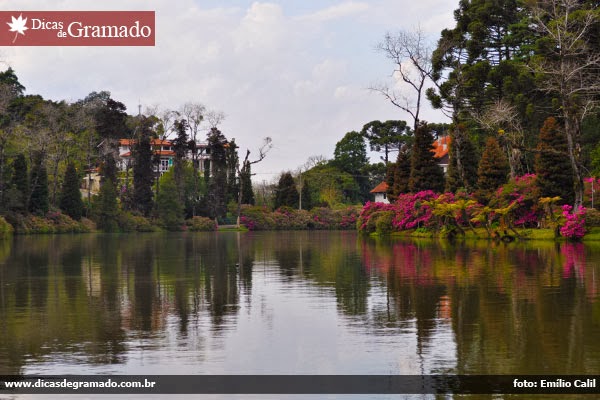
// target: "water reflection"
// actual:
[[296, 302]]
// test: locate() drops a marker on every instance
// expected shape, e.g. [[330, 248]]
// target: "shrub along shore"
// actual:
[[515, 211], [252, 218]]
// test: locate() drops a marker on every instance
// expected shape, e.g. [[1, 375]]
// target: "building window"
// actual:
[[164, 164]]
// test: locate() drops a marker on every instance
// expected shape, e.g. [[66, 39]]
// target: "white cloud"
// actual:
[[338, 11], [299, 78]]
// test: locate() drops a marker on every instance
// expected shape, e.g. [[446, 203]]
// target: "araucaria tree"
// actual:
[[552, 165], [493, 170], [386, 137], [425, 173], [70, 199]]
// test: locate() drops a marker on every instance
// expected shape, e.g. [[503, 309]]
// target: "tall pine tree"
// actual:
[[143, 169], [38, 198], [493, 171], [425, 173], [246, 184], [552, 165], [70, 199], [286, 193], [20, 182], [217, 184]]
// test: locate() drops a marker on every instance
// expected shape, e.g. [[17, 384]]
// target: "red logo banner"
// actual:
[[77, 28]]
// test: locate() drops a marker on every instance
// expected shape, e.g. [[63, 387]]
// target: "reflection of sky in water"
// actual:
[[316, 303], [283, 327]]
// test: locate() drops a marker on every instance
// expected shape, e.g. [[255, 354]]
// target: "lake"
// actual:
[[305, 302]]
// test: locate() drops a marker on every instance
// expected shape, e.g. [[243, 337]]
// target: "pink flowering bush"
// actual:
[[368, 215], [413, 210], [519, 198], [200, 224], [574, 227], [287, 218]]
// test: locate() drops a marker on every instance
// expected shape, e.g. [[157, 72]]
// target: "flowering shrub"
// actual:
[[256, 218], [260, 218], [369, 213], [517, 201], [200, 224], [53, 222], [130, 222], [574, 227], [413, 210]]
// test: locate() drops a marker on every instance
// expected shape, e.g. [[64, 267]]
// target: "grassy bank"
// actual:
[[592, 234]]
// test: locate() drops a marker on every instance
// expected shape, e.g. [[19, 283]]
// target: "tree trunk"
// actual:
[[571, 131]]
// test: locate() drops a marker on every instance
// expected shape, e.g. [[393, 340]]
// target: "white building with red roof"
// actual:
[[163, 149]]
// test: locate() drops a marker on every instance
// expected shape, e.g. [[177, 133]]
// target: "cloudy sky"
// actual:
[[295, 70]]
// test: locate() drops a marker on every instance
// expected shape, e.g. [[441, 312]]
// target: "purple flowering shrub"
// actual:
[[285, 218], [574, 226]]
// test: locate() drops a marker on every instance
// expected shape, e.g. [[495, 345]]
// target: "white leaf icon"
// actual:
[[18, 26]]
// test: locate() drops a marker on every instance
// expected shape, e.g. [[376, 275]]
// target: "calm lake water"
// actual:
[[296, 303]]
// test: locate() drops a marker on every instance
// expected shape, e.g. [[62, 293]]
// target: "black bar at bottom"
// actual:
[[301, 384]]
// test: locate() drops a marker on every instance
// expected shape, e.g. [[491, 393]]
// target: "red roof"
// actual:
[[381, 188], [441, 146], [154, 142], [159, 152], [164, 152]]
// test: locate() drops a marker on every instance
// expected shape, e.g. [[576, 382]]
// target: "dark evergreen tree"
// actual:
[[20, 182], [143, 169], [401, 176], [106, 208], [306, 195], [169, 207], [246, 183], [425, 173], [217, 186], [350, 156], [286, 193], [70, 199], [10, 79], [38, 197], [180, 147], [552, 165], [493, 171], [108, 168], [232, 160]]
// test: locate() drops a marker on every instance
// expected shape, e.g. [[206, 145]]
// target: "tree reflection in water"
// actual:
[[482, 307]]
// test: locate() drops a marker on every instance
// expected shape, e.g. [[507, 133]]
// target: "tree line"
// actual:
[[519, 81], [47, 149]]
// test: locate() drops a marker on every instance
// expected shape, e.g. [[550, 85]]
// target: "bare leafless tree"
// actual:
[[503, 118], [245, 168], [411, 54], [569, 69], [214, 118]]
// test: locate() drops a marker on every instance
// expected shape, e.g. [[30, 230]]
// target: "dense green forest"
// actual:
[[518, 81]]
